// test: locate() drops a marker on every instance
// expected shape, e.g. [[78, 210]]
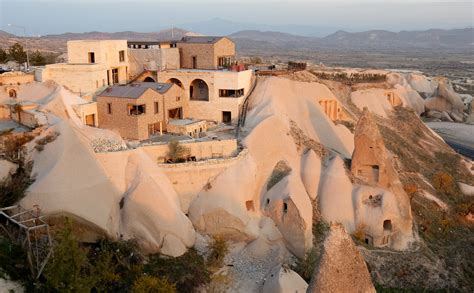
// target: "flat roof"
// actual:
[[201, 39], [134, 90], [185, 39], [179, 122]]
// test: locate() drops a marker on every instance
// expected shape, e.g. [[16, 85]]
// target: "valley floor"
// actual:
[[459, 136]]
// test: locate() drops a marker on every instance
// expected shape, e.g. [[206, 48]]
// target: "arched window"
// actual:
[[198, 90]]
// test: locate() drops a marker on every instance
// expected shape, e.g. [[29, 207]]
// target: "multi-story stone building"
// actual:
[[139, 110], [214, 87], [92, 64]]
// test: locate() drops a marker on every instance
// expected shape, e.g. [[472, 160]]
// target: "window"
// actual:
[[387, 225], [225, 61], [136, 110], [97, 84], [109, 108], [91, 57], [285, 207], [122, 56], [178, 98], [194, 62], [224, 93], [157, 107], [226, 117], [115, 77], [249, 205]]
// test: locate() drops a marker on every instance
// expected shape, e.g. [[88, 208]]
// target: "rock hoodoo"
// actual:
[[341, 268], [372, 164]]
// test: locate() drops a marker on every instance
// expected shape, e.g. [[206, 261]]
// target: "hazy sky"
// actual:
[[51, 17]]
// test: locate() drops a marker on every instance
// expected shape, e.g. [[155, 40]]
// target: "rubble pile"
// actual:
[[103, 145]]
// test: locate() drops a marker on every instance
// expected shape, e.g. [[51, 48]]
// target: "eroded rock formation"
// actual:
[[372, 164], [341, 267]]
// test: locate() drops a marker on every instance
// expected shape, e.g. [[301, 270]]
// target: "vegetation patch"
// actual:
[[178, 153], [218, 250], [40, 143], [280, 171], [350, 77]]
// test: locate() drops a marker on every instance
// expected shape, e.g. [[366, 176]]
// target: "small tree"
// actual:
[[69, 269], [444, 183], [38, 59], [150, 284], [177, 152], [3, 56], [218, 250], [17, 53]]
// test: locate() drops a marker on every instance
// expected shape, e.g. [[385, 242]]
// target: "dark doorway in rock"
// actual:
[[226, 117], [375, 173], [149, 79], [387, 225]]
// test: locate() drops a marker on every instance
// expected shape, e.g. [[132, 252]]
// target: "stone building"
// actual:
[[202, 52], [211, 94], [92, 64], [139, 110], [152, 56], [212, 89]]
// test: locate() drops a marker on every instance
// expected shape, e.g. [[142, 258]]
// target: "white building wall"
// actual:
[[215, 80]]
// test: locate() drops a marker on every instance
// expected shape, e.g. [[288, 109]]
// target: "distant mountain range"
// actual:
[[255, 40], [223, 27], [462, 39]]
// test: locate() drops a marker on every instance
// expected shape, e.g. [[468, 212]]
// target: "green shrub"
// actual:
[[178, 153], [69, 269], [218, 250], [188, 271], [13, 189], [444, 183], [150, 284], [280, 171], [305, 267]]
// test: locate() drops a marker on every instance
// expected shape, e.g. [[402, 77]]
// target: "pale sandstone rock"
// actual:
[[151, 212], [283, 280], [372, 164], [466, 189], [226, 206], [311, 173], [7, 169], [377, 214], [288, 205], [421, 84], [335, 195], [382, 101], [445, 99], [341, 267]]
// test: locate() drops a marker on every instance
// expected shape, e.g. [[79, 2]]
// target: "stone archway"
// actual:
[[199, 90], [149, 79], [176, 82]]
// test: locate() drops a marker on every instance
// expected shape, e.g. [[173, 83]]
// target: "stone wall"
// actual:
[[190, 178], [136, 127], [206, 54], [192, 129], [215, 80], [84, 110], [78, 78], [152, 59], [202, 150], [15, 78]]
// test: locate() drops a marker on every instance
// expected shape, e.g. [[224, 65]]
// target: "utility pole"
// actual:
[[26, 44]]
